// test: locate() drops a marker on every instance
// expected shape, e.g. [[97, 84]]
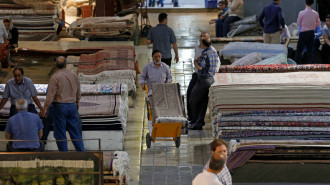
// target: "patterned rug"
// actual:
[[273, 68]]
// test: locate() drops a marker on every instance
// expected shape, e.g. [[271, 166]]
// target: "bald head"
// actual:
[[21, 104], [60, 62]]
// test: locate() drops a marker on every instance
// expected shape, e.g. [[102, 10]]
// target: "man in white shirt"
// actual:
[[209, 176]]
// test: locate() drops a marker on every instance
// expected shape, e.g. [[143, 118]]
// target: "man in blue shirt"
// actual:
[[271, 19], [221, 18], [24, 126], [20, 87], [162, 37], [207, 67]]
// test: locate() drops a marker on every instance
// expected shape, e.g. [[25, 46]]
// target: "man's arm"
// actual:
[[280, 18], [3, 102], [196, 64], [40, 133], [8, 136], [78, 95], [287, 41], [37, 102], [261, 19], [143, 77], [168, 76], [175, 47], [52, 89]]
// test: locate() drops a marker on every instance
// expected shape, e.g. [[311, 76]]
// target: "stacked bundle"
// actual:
[[167, 104], [112, 65], [274, 68], [33, 18], [103, 111], [238, 50], [96, 28], [270, 104], [253, 161], [248, 26]]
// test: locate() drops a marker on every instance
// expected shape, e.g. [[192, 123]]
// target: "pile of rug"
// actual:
[[104, 27], [103, 112], [237, 50], [270, 104], [248, 26], [285, 161], [34, 19], [112, 65], [274, 68], [167, 104]]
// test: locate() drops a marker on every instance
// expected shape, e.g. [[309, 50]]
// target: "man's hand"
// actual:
[[77, 103], [143, 86], [222, 17], [43, 113], [176, 58], [282, 30]]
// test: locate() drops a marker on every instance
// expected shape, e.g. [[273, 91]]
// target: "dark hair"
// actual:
[[19, 69], [60, 62], [328, 16], [217, 164], [217, 142], [221, 2], [162, 16], [309, 2], [6, 20], [154, 52], [206, 42]]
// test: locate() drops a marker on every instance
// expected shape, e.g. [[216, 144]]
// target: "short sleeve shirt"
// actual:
[[162, 38], [25, 90], [326, 31], [285, 35], [3, 32]]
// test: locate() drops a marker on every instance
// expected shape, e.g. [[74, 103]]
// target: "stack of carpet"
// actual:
[[112, 65], [103, 112], [275, 68], [167, 104], [248, 53], [280, 161], [104, 28], [270, 104], [248, 26], [34, 19]]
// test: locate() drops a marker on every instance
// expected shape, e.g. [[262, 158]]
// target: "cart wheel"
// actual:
[[177, 142], [148, 140]]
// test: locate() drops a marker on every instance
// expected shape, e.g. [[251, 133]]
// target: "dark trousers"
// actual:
[[306, 39], [167, 61], [226, 24], [65, 116], [31, 108], [11, 149], [325, 54], [190, 88], [218, 27], [198, 101]]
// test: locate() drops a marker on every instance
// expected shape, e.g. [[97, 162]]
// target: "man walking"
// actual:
[[64, 93], [162, 37], [272, 21]]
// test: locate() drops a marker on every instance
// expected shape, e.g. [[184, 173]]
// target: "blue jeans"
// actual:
[[218, 27], [66, 116]]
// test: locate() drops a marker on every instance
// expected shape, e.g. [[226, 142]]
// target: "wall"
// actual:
[[290, 8]]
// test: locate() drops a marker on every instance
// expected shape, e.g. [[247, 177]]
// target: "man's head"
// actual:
[[327, 20], [217, 163], [277, 1], [21, 104], [162, 18], [222, 5], [60, 62], [6, 22], [218, 147], [156, 56], [203, 36], [18, 75], [309, 2], [206, 43]]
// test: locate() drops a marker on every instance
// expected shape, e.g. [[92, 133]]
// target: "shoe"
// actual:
[[193, 127]]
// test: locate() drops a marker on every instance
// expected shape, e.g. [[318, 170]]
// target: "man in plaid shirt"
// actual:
[[219, 147], [207, 66]]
